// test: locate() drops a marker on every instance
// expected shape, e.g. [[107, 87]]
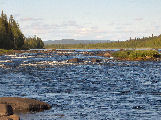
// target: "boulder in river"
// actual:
[[22, 105], [74, 60], [95, 60], [104, 54], [107, 54]]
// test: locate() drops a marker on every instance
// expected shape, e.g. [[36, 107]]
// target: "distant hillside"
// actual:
[[72, 41], [145, 42]]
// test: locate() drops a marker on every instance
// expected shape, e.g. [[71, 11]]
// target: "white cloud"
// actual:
[[65, 29], [72, 29], [2, 2], [139, 19], [30, 19]]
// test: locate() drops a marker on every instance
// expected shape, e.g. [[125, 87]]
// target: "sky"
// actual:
[[86, 19]]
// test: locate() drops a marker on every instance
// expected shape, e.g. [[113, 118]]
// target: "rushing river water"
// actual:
[[110, 90]]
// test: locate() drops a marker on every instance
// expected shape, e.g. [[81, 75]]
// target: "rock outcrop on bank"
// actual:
[[25, 104], [6, 113], [11, 105]]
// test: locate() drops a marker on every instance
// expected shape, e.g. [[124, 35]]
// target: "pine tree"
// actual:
[[4, 31], [33, 43], [18, 36], [6, 36], [11, 36]]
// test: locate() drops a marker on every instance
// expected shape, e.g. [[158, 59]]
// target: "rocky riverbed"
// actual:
[[83, 85]]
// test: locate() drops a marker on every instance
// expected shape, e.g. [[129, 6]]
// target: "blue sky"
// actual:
[[86, 19]]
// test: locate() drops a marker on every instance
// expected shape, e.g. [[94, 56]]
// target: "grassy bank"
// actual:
[[3, 51], [137, 55]]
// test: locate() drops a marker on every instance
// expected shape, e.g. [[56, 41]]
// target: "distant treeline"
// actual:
[[145, 42], [11, 37]]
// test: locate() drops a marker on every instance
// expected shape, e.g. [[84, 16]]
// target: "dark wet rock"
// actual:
[[60, 115], [5, 110], [95, 60], [156, 56], [74, 60], [25, 104], [124, 92]]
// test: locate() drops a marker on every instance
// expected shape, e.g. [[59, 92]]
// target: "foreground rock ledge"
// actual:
[[23, 105], [6, 113], [10, 117]]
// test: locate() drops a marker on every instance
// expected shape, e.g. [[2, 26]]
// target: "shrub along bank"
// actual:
[[2, 51], [137, 55]]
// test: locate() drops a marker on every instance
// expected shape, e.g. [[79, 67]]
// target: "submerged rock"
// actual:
[[25, 104]]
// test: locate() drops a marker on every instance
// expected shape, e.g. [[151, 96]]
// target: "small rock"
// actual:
[[104, 54], [107, 54], [74, 60], [95, 60]]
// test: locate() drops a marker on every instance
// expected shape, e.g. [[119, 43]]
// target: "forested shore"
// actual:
[[136, 43], [11, 36]]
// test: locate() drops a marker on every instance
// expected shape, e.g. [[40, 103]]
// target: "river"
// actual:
[[110, 90]]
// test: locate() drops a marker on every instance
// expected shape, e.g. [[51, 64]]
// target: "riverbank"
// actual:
[[137, 55], [3, 51], [115, 54]]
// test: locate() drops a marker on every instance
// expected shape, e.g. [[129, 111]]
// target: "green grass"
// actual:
[[3, 51], [137, 54]]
